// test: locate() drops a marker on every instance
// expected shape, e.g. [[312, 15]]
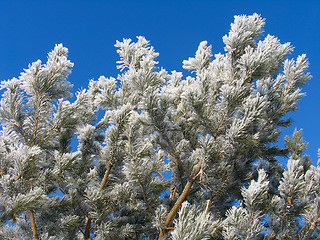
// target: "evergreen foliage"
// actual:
[[171, 157]]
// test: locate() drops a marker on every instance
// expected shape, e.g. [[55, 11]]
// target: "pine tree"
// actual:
[[171, 157]]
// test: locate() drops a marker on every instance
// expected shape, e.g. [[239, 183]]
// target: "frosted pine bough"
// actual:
[[215, 130]]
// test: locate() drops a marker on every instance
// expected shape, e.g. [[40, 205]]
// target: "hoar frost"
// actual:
[[158, 155]]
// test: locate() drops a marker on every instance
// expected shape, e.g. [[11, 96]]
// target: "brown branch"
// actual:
[[179, 201], [207, 207], [89, 218], [184, 195], [51, 132], [313, 227], [106, 176], [173, 191], [60, 188], [141, 185], [270, 235], [103, 183], [36, 184], [301, 230], [145, 198], [31, 213], [33, 225], [175, 208], [88, 227], [33, 221], [176, 156], [18, 177], [160, 174]]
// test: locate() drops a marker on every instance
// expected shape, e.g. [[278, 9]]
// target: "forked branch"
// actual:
[[180, 200]]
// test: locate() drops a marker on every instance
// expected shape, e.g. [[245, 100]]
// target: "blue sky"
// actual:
[[89, 29]]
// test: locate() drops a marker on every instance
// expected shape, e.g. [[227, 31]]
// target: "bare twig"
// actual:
[[208, 207]]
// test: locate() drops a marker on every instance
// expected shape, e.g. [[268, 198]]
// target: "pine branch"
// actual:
[[103, 183], [51, 132], [169, 110], [183, 196], [271, 235], [208, 206], [160, 174], [18, 128], [9, 238], [88, 227], [89, 218], [143, 189], [216, 132], [221, 185], [176, 156], [175, 208], [33, 225], [179, 201], [36, 117], [145, 198], [32, 217], [106, 176], [36, 184], [312, 227]]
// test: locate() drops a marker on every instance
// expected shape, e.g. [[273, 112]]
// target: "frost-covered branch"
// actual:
[[101, 166]]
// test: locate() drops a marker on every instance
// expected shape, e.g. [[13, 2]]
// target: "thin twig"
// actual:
[[160, 174], [207, 207]]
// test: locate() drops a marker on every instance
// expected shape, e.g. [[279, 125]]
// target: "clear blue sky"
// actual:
[[29, 29]]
